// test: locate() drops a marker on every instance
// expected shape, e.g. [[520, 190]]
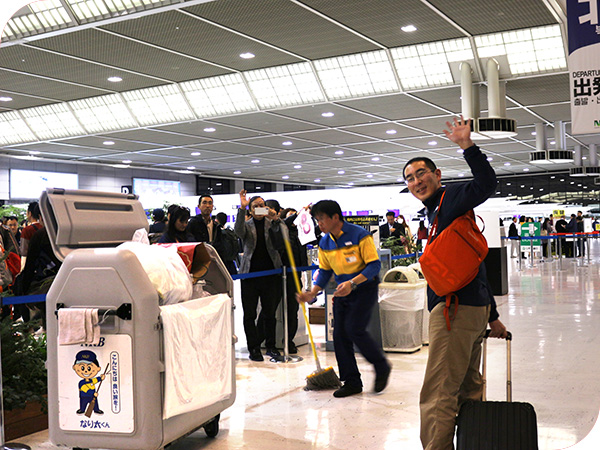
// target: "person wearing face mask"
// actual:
[[260, 236]]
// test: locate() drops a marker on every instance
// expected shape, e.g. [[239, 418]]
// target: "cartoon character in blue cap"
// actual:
[[87, 367]]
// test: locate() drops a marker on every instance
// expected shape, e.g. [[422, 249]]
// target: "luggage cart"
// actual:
[[84, 227]]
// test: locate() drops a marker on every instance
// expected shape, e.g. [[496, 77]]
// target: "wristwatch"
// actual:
[[353, 285]]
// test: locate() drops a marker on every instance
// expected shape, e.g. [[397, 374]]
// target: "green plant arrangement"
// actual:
[[12, 210], [402, 246], [24, 375]]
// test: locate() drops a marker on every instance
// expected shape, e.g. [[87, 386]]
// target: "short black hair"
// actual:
[[158, 214], [428, 162], [12, 218], [273, 204], [390, 213], [328, 208], [204, 195], [222, 218]]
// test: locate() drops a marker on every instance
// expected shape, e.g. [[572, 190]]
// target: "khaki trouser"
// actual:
[[452, 375]]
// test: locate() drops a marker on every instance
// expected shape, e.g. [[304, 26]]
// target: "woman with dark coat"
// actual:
[[176, 227]]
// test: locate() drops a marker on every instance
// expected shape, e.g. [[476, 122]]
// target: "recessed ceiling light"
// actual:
[[351, 183], [258, 187], [552, 142], [552, 177], [461, 174], [562, 179], [391, 132], [579, 185], [285, 177], [210, 129], [115, 79], [126, 161], [286, 143], [255, 161], [489, 158], [339, 152], [317, 180], [5, 99], [298, 166], [195, 154], [432, 143], [507, 164], [541, 189], [328, 114], [341, 172], [34, 152], [525, 169], [109, 142], [375, 158], [572, 182], [584, 157], [247, 55], [531, 188], [400, 180], [237, 172], [408, 28], [460, 150], [533, 133], [191, 167], [370, 175], [508, 184], [522, 185]]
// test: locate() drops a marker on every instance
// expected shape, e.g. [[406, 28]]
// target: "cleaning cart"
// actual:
[[148, 393]]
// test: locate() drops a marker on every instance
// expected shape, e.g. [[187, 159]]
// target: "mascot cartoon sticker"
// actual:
[[86, 367]]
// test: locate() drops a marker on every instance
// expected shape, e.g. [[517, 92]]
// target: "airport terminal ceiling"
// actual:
[[309, 92]]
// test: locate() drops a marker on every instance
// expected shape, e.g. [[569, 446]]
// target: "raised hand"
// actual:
[[459, 132], [244, 202]]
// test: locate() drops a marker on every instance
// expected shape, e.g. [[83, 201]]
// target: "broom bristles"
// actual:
[[323, 379]]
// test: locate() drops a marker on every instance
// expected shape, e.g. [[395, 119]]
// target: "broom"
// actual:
[[320, 378], [91, 405]]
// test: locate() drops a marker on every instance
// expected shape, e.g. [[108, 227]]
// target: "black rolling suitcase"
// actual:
[[497, 425]]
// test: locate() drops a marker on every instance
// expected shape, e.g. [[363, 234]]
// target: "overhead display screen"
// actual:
[[29, 184]]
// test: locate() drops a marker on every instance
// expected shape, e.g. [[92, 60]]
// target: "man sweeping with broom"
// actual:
[[348, 251]]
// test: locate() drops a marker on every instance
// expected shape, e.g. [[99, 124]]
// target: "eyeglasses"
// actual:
[[418, 175]]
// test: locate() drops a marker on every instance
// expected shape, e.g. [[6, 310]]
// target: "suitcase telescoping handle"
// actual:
[[508, 365]]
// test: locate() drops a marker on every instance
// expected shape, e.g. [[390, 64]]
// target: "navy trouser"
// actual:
[[351, 315], [268, 289]]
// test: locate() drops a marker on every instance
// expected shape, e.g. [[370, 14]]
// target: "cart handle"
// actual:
[[122, 312]]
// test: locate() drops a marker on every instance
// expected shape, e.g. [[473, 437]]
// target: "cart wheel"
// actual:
[[212, 428]]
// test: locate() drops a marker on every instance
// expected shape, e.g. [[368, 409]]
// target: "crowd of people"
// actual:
[[551, 226]]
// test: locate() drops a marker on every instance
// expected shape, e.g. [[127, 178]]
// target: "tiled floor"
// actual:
[[554, 316]]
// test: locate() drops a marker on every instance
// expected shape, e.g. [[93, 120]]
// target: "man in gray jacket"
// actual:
[[261, 237]]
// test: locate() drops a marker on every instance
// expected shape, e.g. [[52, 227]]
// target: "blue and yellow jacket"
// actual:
[[352, 253]]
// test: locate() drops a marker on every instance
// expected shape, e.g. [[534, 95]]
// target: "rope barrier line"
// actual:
[[241, 276]]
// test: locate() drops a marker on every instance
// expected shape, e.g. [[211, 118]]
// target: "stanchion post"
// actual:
[[285, 316], [587, 244], [559, 240], [520, 253], [531, 265]]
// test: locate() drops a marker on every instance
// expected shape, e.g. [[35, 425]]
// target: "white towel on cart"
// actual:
[[198, 353], [78, 326]]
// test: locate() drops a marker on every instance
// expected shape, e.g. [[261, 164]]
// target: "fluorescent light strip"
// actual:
[[103, 113], [52, 121], [293, 84], [356, 75], [13, 129], [543, 43], [158, 105], [217, 96]]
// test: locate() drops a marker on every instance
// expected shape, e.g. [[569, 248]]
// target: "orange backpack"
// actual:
[[451, 259]]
